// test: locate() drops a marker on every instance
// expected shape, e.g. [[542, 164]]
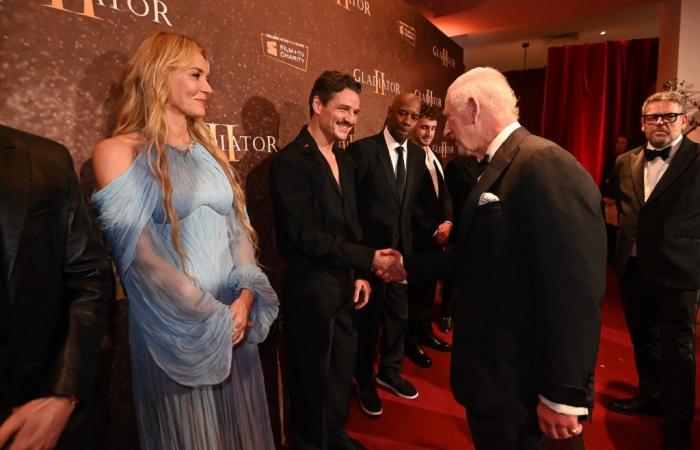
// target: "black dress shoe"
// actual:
[[415, 353], [432, 341], [674, 446], [636, 406], [357, 444], [446, 324]]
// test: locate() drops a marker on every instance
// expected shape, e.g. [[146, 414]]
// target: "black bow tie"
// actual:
[[651, 153]]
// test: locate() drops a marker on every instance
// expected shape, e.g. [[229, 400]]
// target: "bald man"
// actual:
[[390, 170]]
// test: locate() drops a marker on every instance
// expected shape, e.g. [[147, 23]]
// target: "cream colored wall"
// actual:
[[679, 41]]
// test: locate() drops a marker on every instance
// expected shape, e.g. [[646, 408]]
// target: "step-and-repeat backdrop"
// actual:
[[59, 59]]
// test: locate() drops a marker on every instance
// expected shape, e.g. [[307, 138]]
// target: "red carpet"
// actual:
[[436, 421]]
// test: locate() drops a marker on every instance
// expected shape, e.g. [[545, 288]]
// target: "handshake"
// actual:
[[387, 265]]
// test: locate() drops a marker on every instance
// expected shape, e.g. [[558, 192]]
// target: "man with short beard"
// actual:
[[658, 258], [390, 170], [432, 222], [529, 270], [313, 189]]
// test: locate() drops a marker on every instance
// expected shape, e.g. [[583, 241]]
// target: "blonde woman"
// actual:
[[175, 220]]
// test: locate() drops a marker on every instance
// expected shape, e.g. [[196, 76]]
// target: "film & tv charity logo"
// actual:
[[360, 5], [285, 51], [237, 145], [377, 79], [407, 32], [156, 10], [444, 56]]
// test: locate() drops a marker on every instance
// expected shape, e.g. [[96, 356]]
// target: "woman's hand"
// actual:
[[240, 311]]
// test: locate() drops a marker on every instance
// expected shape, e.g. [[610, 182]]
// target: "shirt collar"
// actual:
[[391, 143], [501, 138]]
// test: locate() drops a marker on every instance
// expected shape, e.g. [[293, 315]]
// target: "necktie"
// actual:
[[434, 175], [481, 166], [400, 173], [651, 153]]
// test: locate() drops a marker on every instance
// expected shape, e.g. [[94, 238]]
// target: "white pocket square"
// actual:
[[488, 197]]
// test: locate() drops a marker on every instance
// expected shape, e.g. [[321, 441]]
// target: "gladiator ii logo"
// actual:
[[156, 10], [377, 79], [237, 145], [360, 5]]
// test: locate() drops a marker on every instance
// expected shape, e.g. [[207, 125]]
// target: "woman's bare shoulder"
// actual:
[[113, 156]]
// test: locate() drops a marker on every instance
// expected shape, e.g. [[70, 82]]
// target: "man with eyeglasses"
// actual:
[[658, 260]]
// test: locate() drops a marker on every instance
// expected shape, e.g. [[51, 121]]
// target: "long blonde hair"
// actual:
[[143, 90]]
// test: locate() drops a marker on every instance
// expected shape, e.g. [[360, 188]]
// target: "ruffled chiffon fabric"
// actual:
[[192, 389]]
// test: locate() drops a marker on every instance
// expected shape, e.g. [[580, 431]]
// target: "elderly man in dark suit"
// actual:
[[658, 259], [530, 275], [55, 284], [313, 187], [390, 170]]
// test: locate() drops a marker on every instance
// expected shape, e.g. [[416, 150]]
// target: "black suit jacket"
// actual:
[[530, 275], [57, 281], [386, 221], [316, 220], [431, 210], [460, 177], [666, 227]]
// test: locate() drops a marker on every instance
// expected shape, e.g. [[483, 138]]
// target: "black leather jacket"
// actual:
[[55, 279]]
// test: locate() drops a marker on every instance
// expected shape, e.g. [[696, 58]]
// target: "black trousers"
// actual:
[[421, 296], [387, 310], [320, 346], [661, 323], [495, 433]]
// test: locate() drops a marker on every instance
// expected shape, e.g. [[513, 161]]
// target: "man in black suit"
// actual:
[[530, 274], [432, 223], [313, 189], [461, 174], [55, 284], [658, 260], [390, 170]]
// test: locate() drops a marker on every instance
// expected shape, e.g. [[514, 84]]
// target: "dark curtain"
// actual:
[[594, 93], [528, 86]]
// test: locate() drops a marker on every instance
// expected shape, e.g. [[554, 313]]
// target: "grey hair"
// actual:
[[667, 96], [490, 88]]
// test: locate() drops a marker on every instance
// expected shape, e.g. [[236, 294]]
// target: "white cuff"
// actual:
[[564, 409]]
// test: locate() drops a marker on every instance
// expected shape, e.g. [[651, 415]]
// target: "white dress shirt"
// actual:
[[391, 144], [654, 170], [431, 162]]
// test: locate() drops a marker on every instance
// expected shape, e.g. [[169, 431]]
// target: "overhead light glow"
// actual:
[[602, 33]]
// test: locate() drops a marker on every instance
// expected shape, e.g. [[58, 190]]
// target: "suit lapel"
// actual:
[[680, 162], [501, 160], [15, 190], [637, 162], [385, 162]]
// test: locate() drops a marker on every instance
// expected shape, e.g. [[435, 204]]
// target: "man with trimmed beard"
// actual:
[[432, 222], [390, 170], [313, 190], [529, 275], [658, 260]]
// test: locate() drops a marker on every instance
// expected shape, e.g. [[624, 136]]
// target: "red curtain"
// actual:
[[528, 86], [594, 93]]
